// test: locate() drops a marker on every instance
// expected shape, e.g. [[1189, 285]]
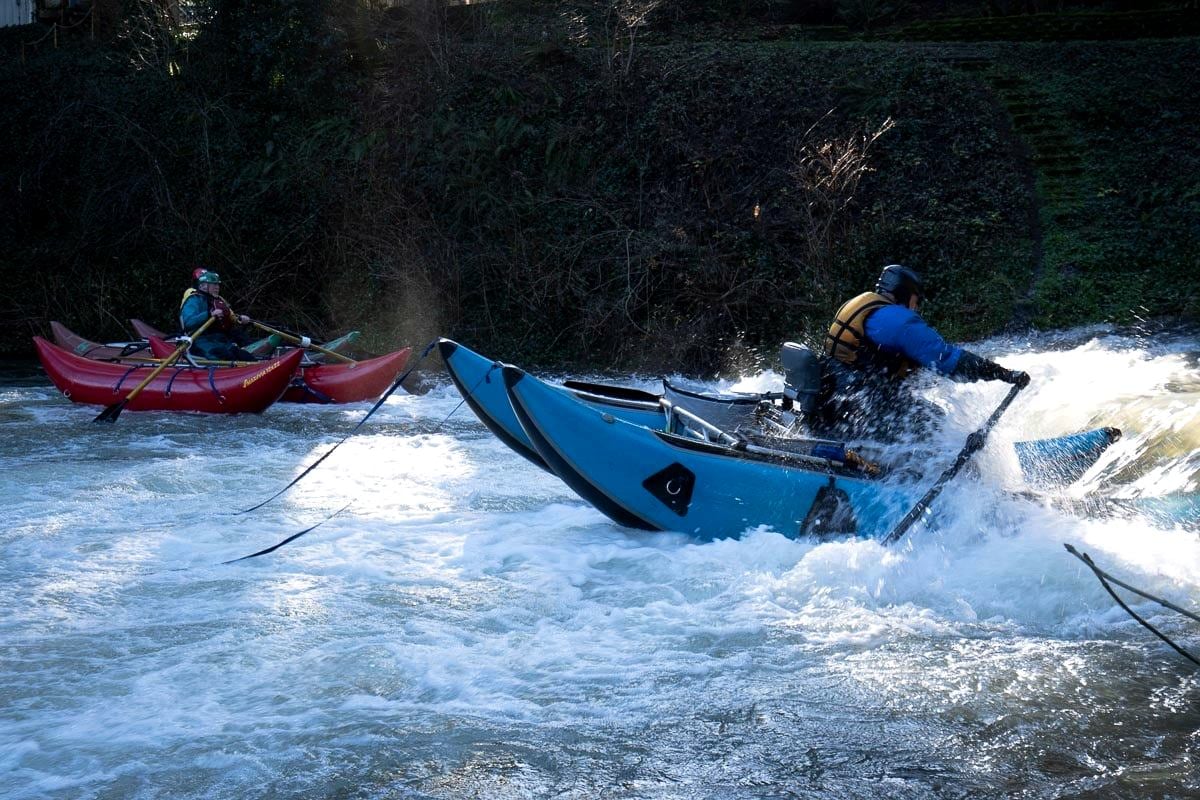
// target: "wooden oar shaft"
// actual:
[[287, 337], [168, 361], [111, 413]]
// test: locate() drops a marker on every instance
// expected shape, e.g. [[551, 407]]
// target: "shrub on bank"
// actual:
[[554, 188]]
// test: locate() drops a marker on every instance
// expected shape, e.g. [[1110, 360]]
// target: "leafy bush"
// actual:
[[488, 173]]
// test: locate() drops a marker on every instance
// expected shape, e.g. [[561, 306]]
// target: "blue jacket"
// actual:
[[194, 312], [899, 329]]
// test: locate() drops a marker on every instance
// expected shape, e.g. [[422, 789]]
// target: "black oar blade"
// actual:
[[111, 413]]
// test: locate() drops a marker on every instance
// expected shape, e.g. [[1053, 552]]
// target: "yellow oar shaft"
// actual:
[[287, 337], [168, 360], [110, 414]]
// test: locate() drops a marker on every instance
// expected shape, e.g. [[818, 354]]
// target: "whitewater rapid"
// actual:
[[466, 626]]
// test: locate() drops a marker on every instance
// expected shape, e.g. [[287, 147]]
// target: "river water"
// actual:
[[467, 627]]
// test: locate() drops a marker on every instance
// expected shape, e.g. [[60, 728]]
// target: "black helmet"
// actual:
[[900, 282]]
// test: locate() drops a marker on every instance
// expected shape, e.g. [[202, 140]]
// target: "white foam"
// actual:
[[465, 584]]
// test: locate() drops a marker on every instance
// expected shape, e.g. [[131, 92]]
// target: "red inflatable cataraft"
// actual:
[[331, 383], [179, 387], [67, 339], [347, 383]]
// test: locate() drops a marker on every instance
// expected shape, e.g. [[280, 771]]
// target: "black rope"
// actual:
[[212, 384], [1105, 578], [128, 372], [179, 368], [291, 538], [329, 452], [311, 528], [262, 552], [487, 378]]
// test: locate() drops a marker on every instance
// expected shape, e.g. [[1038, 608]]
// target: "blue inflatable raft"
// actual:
[[707, 464]]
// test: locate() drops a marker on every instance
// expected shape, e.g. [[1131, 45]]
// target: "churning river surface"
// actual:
[[468, 627]]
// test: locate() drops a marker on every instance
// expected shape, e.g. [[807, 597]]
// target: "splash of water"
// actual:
[[470, 626]]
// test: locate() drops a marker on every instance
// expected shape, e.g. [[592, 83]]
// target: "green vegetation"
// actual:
[[587, 183]]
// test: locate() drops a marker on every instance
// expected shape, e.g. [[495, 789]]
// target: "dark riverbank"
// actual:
[[526, 181]]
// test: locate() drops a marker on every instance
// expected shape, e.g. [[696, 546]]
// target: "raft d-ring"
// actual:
[[607, 418], [672, 489]]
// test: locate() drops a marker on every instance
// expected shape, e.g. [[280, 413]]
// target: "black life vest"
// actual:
[[847, 339]]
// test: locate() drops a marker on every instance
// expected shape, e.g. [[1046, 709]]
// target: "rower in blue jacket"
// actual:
[[224, 340], [875, 342]]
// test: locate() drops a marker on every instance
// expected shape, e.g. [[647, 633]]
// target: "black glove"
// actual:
[[1017, 378], [975, 442], [971, 367]]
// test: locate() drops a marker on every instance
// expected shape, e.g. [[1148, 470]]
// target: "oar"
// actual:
[[111, 413], [287, 337], [974, 444]]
